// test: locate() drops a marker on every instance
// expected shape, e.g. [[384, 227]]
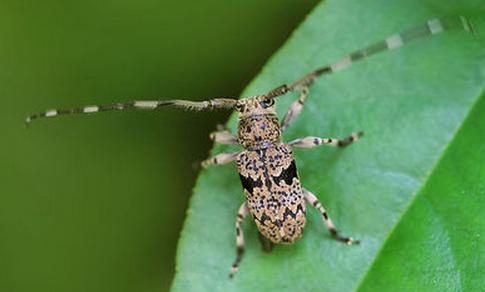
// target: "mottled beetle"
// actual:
[[274, 195]]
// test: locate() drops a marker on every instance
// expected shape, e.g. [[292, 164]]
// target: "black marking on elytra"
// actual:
[[249, 184], [289, 213], [286, 239], [268, 183], [287, 174], [277, 222], [263, 218]]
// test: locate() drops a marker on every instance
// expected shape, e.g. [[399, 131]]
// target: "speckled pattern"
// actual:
[[274, 196], [258, 131], [273, 192]]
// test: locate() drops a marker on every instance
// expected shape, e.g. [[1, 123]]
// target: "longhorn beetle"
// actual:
[[274, 196]]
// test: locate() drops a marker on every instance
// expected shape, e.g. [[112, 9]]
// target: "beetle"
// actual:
[[274, 195]]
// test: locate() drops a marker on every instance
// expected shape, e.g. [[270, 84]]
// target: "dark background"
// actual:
[[96, 203]]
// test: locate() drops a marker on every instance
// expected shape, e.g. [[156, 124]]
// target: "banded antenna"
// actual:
[[431, 27], [224, 103]]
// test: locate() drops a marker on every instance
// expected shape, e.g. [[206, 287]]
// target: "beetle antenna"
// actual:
[[222, 103], [427, 29]]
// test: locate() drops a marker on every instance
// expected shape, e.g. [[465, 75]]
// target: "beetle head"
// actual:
[[255, 105]]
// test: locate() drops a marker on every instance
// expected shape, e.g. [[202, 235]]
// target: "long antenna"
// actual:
[[430, 28], [225, 103]]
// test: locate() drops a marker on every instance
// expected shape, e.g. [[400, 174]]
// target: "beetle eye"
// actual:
[[267, 103]]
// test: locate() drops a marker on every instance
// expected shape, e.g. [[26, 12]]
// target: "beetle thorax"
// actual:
[[258, 131], [258, 126]]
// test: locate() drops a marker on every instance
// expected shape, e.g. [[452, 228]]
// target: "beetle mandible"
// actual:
[[274, 195]]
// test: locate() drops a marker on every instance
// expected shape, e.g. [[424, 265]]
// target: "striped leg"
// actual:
[[241, 214], [310, 142], [223, 136], [219, 159], [266, 244], [139, 104], [294, 109], [331, 228]]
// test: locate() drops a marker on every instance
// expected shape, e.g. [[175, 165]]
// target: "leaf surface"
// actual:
[[419, 105]]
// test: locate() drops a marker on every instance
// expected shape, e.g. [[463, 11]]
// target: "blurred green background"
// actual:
[[97, 203]]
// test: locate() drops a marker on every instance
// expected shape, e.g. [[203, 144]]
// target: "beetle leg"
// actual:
[[223, 135], [331, 228], [310, 141], [241, 214], [219, 159], [266, 244], [294, 109]]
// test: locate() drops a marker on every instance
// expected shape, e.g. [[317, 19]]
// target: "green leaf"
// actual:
[[410, 190], [439, 243]]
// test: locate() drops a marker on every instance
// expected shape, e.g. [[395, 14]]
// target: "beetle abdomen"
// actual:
[[273, 192]]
